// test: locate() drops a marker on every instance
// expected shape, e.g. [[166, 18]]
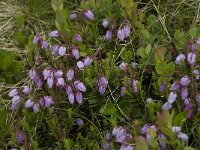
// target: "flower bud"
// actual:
[[71, 98], [182, 136], [185, 81], [81, 87], [87, 61], [80, 65], [75, 53], [32, 74], [108, 136], [102, 89], [29, 103], [58, 74], [35, 108], [105, 23], [68, 89], [162, 87], [79, 122], [191, 58], [175, 86], [180, 58], [55, 49], [73, 16], [26, 90], [50, 82], [176, 129], [48, 101], [108, 35], [13, 93], [127, 31], [70, 74], [166, 106], [172, 97], [36, 39], [89, 15], [62, 50], [120, 34], [19, 137], [79, 97], [54, 33], [184, 93], [123, 66], [44, 44], [77, 38], [148, 100], [196, 74]]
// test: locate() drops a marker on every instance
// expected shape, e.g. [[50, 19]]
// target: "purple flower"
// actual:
[[70, 74], [44, 44], [73, 16], [175, 86], [35, 108], [102, 89], [120, 34], [77, 38], [13, 93], [172, 97], [54, 33], [32, 74], [144, 129], [123, 66], [79, 97], [80, 86], [148, 100], [29, 103], [105, 23], [41, 101], [89, 15], [50, 82], [196, 73], [19, 137], [126, 147], [162, 87], [58, 74], [80, 65], [68, 89], [60, 82], [176, 129], [55, 49], [184, 93], [187, 101], [48, 101], [191, 58], [62, 50], [46, 73], [166, 106], [79, 122], [108, 136], [185, 81], [26, 90], [162, 141], [15, 102], [108, 35], [119, 133], [36, 39], [71, 98], [198, 97], [182, 136], [87, 61], [38, 82], [75, 53], [193, 48], [127, 31], [180, 58], [106, 146], [123, 89], [103, 81]]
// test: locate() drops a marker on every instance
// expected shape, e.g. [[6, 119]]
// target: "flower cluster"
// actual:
[[102, 84]]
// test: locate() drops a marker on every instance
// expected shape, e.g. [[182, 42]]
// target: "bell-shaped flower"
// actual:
[[105, 23], [13, 93], [71, 98], [29, 103], [180, 58], [87, 61], [54, 33], [79, 97], [75, 53], [26, 90], [80, 65], [89, 15], [185, 81], [62, 50], [108, 35]]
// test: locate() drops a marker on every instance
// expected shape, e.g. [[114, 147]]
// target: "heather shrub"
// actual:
[[103, 75]]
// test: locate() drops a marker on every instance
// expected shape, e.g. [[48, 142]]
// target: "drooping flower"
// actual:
[[80, 65], [89, 15], [144, 129], [75, 53], [79, 122], [167, 106], [87, 61], [108, 35], [196, 74], [15, 102], [198, 97], [120, 34], [68, 89], [32, 74], [127, 31], [134, 85], [108, 136], [55, 49], [54, 33], [36, 39], [162, 87], [182, 136], [60, 82], [180, 58], [62, 50], [50, 82], [79, 97], [29, 103], [46, 73], [191, 57], [106, 146], [172, 97], [58, 74], [126, 147], [38, 82], [119, 133], [175, 86], [70, 74], [48, 101], [184, 93], [102, 85], [71, 98], [105, 23], [77, 38], [123, 66], [176, 129], [102, 89], [148, 100], [185, 80], [26, 90], [35, 108], [44, 44], [13, 93], [73, 16], [80, 86], [19, 137]]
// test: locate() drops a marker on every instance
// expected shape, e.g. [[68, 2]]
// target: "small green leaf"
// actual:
[[57, 4], [140, 143], [148, 49], [109, 109], [193, 32]]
